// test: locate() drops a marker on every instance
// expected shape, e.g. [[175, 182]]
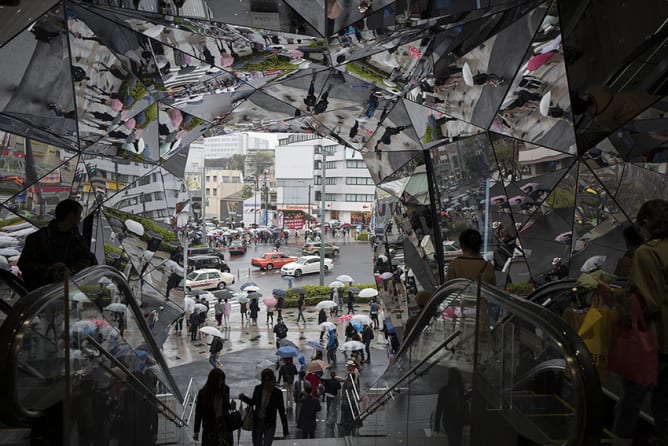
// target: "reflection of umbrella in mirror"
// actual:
[[357, 325], [223, 294], [516, 200], [544, 107], [336, 284], [9, 252], [593, 263], [199, 308], [213, 331], [326, 305], [135, 227], [344, 278], [467, 74], [246, 285], [100, 323], [369, 292], [344, 318], [117, 308], [79, 297], [363, 318], [82, 325], [286, 343], [386, 275], [529, 187], [565, 237], [251, 288], [115, 223], [498, 199]]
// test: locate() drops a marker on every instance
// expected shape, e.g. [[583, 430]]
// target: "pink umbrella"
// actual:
[[130, 123], [344, 318], [565, 237], [516, 200], [415, 52], [529, 187], [226, 61], [176, 117], [539, 60], [100, 323], [270, 301], [116, 105], [296, 54], [498, 199]]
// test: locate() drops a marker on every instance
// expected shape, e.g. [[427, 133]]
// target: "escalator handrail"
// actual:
[[171, 415], [589, 399], [26, 310], [15, 284], [540, 294]]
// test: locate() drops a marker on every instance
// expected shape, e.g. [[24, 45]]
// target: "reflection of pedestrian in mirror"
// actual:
[[323, 103], [451, 408], [310, 98], [56, 248]]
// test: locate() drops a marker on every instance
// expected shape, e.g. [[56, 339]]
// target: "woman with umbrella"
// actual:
[[212, 409], [254, 309], [270, 302]]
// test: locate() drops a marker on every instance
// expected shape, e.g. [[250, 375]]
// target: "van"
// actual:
[[207, 262]]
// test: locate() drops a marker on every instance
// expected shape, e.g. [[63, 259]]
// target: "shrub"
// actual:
[[363, 236], [520, 288]]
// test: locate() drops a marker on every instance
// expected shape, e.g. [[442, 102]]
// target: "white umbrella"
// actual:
[[544, 107], [79, 297], [344, 278], [199, 308], [362, 318], [351, 346], [134, 226], [593, 263], [251, 288], [117, 308], [10, 252], [368, 292], [386, 275], [213, 331], [336, 284], [326, 304], [82, 325], [328, 326], [189, 303], [467, 75]]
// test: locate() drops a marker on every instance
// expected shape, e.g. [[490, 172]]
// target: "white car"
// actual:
[[451, 250], [208, 279], [306, 265]]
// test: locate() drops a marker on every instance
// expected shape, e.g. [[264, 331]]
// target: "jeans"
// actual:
[[213, 360], [367, 348], [627, 409], [301, 315], [263, 433]]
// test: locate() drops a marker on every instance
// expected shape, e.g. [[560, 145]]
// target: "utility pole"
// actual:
[[265, 192], [308, 211], [255, 202], [324, 150], [203, 193]]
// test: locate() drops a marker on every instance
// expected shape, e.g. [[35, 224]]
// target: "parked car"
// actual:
[[451, 250], [237, 247], [306, 265], [313, 248], [207, 262], [271, 260], [208, 279]]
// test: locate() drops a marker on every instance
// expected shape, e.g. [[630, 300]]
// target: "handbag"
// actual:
[[235, 419], [634, 352], [596, 332], [247, 416]]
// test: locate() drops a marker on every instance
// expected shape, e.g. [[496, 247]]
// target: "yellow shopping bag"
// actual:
[[596, 332]]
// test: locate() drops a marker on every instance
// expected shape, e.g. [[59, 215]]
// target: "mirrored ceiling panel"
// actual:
[[435, 127], [394, 132], [16, 15]]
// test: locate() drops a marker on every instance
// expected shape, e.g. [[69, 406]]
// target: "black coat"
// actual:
[[275, 405], [205, 416], [307, 414]]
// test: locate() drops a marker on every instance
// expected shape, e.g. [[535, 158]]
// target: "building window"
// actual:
[[363, 181], [143, 181], [215, 192], [159, 195], [364, 198], [208, 191], [215, 178], [355, 164], [208, 178], [331, 164], [331, 180], [328, 197], [236, 180], [317, 164], [146, 198]]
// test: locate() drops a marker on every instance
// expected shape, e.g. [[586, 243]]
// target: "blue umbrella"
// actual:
[[357, 325], [316, 345], [247, 284], [287, 352], [278, 292]]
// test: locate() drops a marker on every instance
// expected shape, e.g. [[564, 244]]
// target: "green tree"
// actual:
[[237, 162], [247, 191]]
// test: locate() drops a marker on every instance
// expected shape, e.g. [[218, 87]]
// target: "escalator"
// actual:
[[11, 290], [489, 368], [89, 363]]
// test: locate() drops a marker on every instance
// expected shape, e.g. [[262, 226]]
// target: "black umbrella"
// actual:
[[298, 290], [223, 294]]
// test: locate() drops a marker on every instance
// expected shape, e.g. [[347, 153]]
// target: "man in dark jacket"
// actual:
[[308, 413], [194, 325], [56, 248], [280, 329], [367, 337], [267, 400]]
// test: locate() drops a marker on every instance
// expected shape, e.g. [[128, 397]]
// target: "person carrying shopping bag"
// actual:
[[266, 403]]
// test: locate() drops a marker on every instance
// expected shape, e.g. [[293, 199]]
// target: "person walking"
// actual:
[[280, 300], [243, 309], [374, 308], [332, 345], [254, 310], [286, 373], [218, 311], [214, 351], [332, 386], [351, 302], [270, 315], [307, 416], [227, 310], [298, 392], [301, 304], [451, 408], [280, 329], [194, 321], [267, 402], [470, 264], [367, 337], [648, 278], [322, 317], [211, 411]]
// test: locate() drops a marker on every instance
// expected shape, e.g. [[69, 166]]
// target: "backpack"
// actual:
[[281, 331], [216, 346]]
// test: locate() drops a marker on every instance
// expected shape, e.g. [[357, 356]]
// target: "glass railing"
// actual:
[[81, 352], [11, 290], [483, 367]]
